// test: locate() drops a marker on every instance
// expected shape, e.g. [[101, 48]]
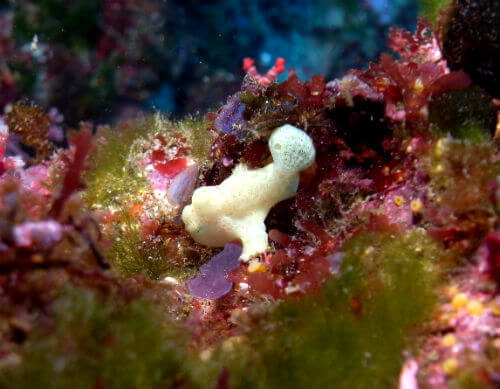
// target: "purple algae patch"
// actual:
[[182, 186], [212, 283], [231, 116]]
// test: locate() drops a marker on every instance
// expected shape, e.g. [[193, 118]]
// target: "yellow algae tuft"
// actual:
[[449, 340], [450, 365], [460, 300], [256, 267], [475, 307]]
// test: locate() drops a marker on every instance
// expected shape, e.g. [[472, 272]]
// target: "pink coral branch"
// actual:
[[408, 376], [270, 76], [3, 141]]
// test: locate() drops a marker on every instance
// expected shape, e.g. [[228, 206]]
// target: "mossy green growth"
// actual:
[[472, 380], [112, 179], [477, 369], [116, 183], [429, 9], [466, 114], [133, 255], [100, 342], [353, 333], [461, 174], [200, 140]]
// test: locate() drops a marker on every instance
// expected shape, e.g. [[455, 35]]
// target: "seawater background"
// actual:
[[103, 59]]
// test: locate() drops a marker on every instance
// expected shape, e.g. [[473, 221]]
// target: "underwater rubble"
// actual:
[[382, 271]]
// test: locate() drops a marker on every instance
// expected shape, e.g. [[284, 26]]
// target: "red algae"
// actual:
[[491, 249]]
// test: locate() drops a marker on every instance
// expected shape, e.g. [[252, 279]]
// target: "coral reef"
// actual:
[[380, 268]]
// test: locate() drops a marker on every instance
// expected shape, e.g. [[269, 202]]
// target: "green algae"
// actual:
[[131, 255], [465, 114], [472, 380], [457, 165], [111, 178], [430, 9], [199, 139], [352, 334], [114, 177], [99, 342], [461, 174], [113, 185], [116, 184]]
